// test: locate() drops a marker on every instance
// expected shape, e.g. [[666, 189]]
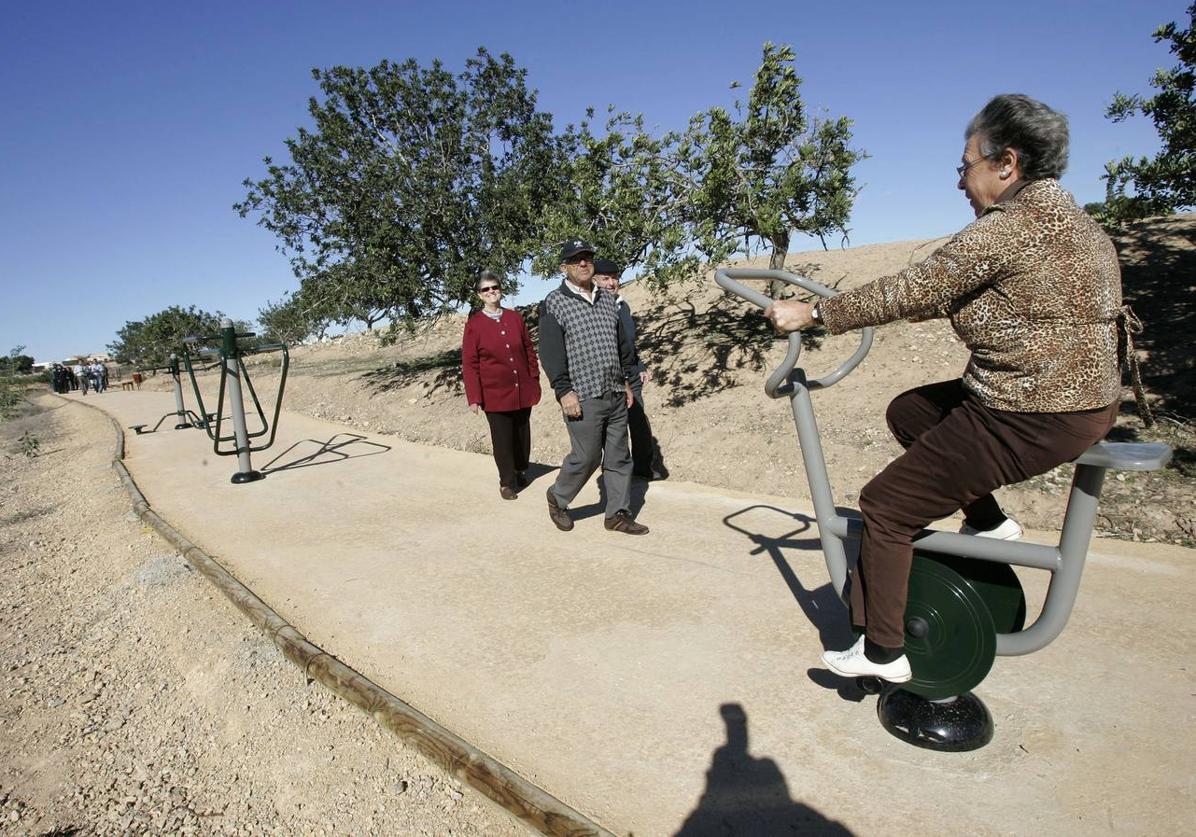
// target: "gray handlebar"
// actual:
[[726, 276]]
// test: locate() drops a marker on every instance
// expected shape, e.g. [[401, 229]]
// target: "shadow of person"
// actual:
[[749, 796], [535, 470]]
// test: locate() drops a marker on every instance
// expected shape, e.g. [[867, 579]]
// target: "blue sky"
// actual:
[[126, 128]]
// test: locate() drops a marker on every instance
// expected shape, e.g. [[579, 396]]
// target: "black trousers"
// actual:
[[643, 451], [511, 439], [957, 452]]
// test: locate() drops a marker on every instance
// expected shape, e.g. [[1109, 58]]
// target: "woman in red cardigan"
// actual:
[[502, 378]]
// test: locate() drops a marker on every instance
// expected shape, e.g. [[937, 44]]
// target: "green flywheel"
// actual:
[[998, 585], [950, 635]]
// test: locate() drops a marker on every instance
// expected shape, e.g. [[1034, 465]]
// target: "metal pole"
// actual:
[[180, 409], [232, 370]]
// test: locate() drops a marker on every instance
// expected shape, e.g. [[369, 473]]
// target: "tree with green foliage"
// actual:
[[10, 394], [149, 342], [767, 171], [1137, 188], [616, 193], [292, 319], [17, 363], [729, 185], [410, 180]]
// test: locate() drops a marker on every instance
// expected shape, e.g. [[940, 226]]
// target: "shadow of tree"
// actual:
[[1158, 266], [696, 353], [438, 372]]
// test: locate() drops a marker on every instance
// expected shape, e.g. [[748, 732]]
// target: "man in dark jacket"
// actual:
[[645, 461], [587, 361]]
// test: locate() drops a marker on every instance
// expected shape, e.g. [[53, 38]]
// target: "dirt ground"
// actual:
[[136, 699]]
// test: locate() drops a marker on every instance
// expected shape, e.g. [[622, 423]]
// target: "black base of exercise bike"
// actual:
[[242, 477], [956, 608], [955, 725]]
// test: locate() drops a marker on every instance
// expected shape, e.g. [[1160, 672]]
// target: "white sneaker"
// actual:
[[1007, 531], [853, 663]]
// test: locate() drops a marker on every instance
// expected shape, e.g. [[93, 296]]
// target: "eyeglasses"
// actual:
[[967, 166], [488, 289], [578, 259]]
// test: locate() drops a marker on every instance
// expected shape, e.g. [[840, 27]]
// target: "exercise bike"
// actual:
[[966, 605]]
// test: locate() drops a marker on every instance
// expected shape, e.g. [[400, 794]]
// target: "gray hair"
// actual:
[[483, 276], [1037, 133]]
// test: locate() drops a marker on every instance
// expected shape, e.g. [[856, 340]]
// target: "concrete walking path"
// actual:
[[670, 682]]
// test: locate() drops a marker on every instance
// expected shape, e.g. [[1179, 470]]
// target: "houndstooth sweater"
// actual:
[[582, 348], [1032, 287]]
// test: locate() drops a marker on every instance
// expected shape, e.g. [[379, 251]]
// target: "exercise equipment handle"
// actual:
[[726, 278]]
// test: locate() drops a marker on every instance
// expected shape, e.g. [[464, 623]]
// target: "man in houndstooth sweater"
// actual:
[[588, 362]]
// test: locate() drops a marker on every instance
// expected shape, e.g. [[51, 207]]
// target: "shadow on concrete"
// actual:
[[821, 605], [637, 493], [331, 451], [746, 795], [534, 471]]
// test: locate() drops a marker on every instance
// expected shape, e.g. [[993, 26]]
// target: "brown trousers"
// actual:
[[957, 452]]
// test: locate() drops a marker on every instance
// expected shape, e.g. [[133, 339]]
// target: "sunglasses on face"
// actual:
[[579, 259], [488, 289]]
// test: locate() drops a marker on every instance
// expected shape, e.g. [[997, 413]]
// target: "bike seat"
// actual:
[[1126, 456]]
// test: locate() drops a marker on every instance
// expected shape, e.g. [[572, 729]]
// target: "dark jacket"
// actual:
[[498, 363], [629, 336]]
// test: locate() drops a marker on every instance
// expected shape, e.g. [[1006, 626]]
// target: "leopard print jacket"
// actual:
[[1032, 287]]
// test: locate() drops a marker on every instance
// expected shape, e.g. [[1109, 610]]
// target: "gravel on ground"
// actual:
[[136, 699]]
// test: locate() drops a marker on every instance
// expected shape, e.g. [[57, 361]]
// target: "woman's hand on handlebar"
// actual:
[[788, 315]]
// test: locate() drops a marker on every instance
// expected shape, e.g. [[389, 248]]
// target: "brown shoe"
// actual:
[[507, 493], [558, 515], [623, 522]]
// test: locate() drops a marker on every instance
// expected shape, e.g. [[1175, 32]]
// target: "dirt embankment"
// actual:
[[136, 699], [709, 356]]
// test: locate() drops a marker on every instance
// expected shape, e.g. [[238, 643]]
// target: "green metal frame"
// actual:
[[230, 350]]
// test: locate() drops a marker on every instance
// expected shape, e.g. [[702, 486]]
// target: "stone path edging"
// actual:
[[522, 799]]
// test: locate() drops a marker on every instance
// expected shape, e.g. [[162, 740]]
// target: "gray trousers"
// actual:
[[599, 436]]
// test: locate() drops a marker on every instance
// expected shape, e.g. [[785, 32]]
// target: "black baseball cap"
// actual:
[[607, 267], [575, 246]]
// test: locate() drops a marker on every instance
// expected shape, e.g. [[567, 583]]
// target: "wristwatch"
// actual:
[[816, 315]]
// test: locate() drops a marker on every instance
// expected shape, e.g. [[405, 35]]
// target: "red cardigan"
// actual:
[[499, 364]]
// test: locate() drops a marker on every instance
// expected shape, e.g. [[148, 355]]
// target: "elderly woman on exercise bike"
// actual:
[[1032, 286]]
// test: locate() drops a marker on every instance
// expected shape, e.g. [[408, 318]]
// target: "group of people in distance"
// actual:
[[1032, 287], [587, 347], [81, 376]]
